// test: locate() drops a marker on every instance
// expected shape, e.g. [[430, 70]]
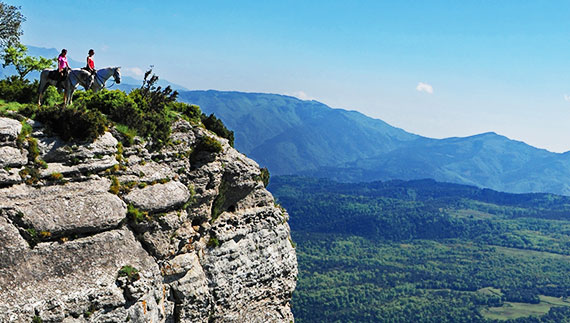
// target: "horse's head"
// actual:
[[117, 75]]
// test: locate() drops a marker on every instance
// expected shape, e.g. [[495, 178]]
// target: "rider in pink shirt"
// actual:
[[62, 67], [62, 61]]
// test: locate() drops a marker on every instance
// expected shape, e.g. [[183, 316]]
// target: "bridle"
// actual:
[[102, 82]]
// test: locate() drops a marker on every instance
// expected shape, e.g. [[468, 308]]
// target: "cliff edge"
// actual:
[[98, 232]]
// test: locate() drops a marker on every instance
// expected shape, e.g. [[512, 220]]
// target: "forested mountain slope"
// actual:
[[423, 251], [292, 136], [289, 135]]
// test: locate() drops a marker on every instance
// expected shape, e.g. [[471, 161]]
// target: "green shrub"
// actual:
[[8, 109], [15, 89], [70, 123], [52, 97], [217, 126], [33, 149], [130, 272], [191, 113], [219, 204], [116, 104], [152, 97], [26, 130], [37, 319], [208, 144], [128, 134], [55, 176], [213, 242], [30, 175], [135, 214], [133, 113], [115, 185], [264, 177]]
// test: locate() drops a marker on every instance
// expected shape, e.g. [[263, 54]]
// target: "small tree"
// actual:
[[156, 97], [10, 24], [24, 64]]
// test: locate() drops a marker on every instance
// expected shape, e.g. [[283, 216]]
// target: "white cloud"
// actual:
[[301, 95], [424, 87], [133, 71], [567, 97]]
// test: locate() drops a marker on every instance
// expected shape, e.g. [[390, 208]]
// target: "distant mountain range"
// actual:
[[292, 136]]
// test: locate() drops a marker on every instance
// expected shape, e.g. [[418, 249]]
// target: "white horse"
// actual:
[[102, 75], [75, 76], [95, 82]]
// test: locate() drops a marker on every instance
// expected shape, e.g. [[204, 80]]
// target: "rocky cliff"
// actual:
[[100, 233]]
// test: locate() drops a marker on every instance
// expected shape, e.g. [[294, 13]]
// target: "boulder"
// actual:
[[159, 197]]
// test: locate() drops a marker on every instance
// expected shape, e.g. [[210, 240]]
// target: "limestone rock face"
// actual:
[[159, 197], [200, 241], [9, 130]]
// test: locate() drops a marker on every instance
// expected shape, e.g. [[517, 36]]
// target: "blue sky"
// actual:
[[436, 68]]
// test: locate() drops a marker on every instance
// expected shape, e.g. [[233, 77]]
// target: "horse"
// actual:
[[75, 76], [102, 75], [95, 82]]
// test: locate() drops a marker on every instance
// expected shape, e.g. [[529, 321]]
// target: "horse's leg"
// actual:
[[41, 89], [64, 96]]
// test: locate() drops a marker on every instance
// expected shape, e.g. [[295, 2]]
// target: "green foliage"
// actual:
[[213, 242], [130, 272], [33, 149], [217, 126], [115, 185], [90, 311], [264, 177], [52, 97], [422, 251], [190, 112], [55, 176], [16, 55], [35, 319], [135, 214], [116, 104], [30, 175], [70, 123], [134, 111], [219, 204], [26, 130], [10, 108], [32, 233], [17, 89], [11, 21], [128, 134], [208, 144], [154, 98]]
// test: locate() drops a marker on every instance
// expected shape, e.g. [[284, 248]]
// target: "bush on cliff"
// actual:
[[19, 90], [70, 123], [147, 111], [217, 126]]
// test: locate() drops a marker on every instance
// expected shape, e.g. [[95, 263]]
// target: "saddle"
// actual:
[[54, 75]]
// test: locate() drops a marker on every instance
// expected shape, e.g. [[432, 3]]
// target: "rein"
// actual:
[[100, 79], [77, 80]]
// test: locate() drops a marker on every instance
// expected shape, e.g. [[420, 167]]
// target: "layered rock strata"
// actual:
[[101, 233]]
